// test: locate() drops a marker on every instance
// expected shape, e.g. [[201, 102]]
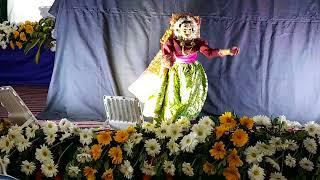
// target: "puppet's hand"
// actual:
[[234, 51]]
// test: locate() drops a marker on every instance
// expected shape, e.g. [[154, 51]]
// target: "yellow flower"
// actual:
[[218, 151], [231, 173], [209, 168], [227, 120], [19, 44], [116, 154], [89, 173], [220, 130], [23, 36], [11, 45], [21, 27], [121, 136], [239, 138], [131, 130], [15, 34], [108, 174], [247, 122], [233, 159], [29, 29], [96, 151], [104, 137], [27, 22]]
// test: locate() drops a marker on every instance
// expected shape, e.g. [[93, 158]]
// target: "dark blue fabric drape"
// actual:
[[103, 46], [16, 68]]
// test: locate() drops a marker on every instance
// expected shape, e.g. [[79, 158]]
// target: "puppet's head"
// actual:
[[185, 26]]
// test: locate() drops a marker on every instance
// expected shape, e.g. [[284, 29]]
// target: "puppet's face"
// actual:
[[186, 30]]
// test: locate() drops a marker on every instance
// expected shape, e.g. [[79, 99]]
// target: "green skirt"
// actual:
[[182, 93]]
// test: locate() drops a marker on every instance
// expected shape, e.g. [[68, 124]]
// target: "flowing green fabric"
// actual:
[[183, 92]]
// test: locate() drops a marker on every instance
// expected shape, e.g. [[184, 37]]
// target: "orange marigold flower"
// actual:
[[218, 151], [96, 151], [239, 138], [233, 159], [104, 137], [108, 174], [227, 120], [11, 45], [247, 122], [23, 36], [89, 173], [19, 44], [131, 130], [220, 130], [209, 168], [29, 29], [121, 136], [27, 22], [15, 34], [231, 173], [116, 154]]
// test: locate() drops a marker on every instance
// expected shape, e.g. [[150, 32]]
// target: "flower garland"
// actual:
[[226, 146], [28, 35]]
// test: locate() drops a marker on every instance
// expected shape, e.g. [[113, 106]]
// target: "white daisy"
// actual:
[[277, 176], [49, 127], [152, 147], [86, 136], [6, 144], [273, 163], [290, 161], [84, 157], [15, 134], [148, 169], [183, 122], [136, 138], [127, 147], [161, 132], [265, 149], [256, 173], [43, 154], [5, 161], [50, 137], [202, 131], [207, 121], [261, 120], [187, 169], [65, 136], [292, 145], [31, 131], [169, 167], [312, 128], [23, 145], [65, 125], [28, 167], [306, 164], [126, 169], [189, 142], [173, 147], [149, 127], [253, 155], [311, 145], [49, 169], [276, 142], [73, 171], [174, 132]]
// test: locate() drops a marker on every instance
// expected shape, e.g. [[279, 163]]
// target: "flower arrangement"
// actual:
[[28, 35], [225, 146]]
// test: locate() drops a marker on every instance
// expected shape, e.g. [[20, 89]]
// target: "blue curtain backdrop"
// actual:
[[103, 46]]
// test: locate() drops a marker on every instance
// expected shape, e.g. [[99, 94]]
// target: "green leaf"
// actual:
[[37, 58], [30, 45]]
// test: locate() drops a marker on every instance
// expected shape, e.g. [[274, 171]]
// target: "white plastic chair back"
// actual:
[[18, 112], [122, 112]]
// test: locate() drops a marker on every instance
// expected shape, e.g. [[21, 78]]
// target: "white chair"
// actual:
[[18, 112], [122, 112]]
